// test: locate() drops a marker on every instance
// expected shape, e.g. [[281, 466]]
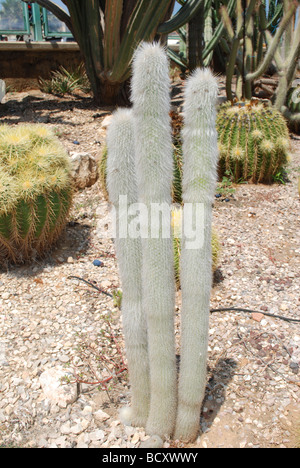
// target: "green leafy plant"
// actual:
[[225, 187], [35, 191], [65, 81], [109, 31], [117, 298]]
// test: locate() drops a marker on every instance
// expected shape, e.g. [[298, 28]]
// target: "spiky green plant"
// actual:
[[65, 81], [35, 191], [102, 171], [253, 141], [108, 32]]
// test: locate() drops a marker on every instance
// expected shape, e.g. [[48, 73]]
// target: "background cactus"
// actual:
[[109, 31], [287, 56], [246, 38], [253, 141], [35, 191], [292, 109]]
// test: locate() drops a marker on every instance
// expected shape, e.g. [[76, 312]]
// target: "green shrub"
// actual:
[[64, 81]]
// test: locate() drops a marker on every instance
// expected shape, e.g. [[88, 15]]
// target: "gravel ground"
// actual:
[[53, 326]]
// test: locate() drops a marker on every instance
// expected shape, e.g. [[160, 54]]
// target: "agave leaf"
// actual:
[[113, 14], [141, 26], [186, 12]]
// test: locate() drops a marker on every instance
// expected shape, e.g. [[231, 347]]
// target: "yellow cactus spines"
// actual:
[[35, 191], [254, 141], [176, 224]]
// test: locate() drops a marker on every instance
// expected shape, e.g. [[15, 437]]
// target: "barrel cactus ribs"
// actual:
[[253, 141], [35, 191]]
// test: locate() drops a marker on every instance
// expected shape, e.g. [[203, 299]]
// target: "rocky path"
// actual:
[[59, 335]]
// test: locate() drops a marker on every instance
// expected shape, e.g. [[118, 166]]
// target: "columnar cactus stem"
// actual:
[[154, 168], [121, 182], [199, 178]]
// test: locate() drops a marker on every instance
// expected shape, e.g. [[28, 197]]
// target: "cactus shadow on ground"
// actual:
[[74, 242], [38, 107], [218, 379], [215, 393]]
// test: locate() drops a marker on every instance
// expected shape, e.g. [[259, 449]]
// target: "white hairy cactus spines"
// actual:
[[140, 169], [200, 156], [121, 183], [154, 169]]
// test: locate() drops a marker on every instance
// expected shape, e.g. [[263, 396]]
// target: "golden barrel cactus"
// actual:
[[253, 141], [35, 191]]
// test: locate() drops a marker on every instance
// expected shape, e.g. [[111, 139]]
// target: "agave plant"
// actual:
[[109, 31], [65, 81], [35, 191]]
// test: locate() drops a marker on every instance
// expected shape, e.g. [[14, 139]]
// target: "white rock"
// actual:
[[80, 426], [66, 428], [55, 390], [100, 416], [97, 435], [135, 439]]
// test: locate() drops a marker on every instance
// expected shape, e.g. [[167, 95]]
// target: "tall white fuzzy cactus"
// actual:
[[200, 155], [154, 168], [122, 188], [140, 165]]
